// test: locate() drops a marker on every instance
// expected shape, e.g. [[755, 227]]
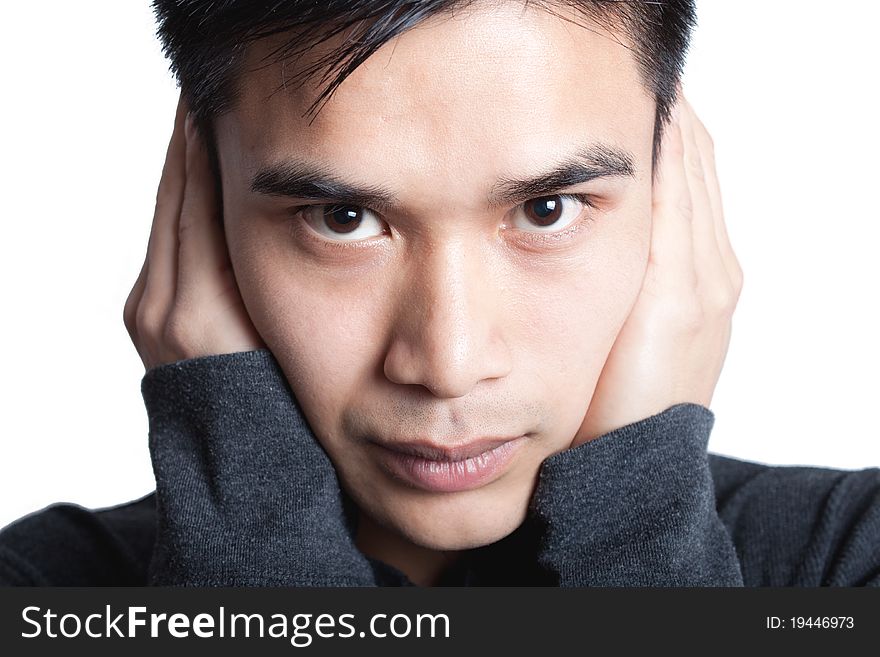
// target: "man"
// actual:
[[460, 325]]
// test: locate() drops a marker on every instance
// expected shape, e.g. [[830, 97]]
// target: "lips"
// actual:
[[428, 450], [444, 469]]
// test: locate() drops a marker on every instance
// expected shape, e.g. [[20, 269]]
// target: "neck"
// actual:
[[423, 566]]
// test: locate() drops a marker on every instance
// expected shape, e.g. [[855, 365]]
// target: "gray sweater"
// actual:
[[245, 496]]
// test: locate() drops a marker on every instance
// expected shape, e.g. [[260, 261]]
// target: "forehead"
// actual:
[[494, 88]]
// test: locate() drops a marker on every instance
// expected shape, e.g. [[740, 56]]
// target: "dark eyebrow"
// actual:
[[300, 179], [589, 162]]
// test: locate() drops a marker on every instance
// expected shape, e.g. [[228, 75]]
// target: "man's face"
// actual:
[[458, 311]]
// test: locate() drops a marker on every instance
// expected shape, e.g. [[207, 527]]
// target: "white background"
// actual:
[[789, 95]]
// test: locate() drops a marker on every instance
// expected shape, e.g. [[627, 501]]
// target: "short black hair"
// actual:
[[206, 41]]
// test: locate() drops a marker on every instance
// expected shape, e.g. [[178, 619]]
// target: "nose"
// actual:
[[448, 334]]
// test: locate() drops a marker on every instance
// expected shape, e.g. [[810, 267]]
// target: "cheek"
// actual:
[[583, 303], [320, 333], [577, 313]]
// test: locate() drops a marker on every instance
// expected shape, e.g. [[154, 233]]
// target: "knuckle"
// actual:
[[685, 206], [128, 314], [132, 301], [694, 165], [147, 321], [177, 332], [184, 227], [184, 224], [692, 320], [738, 280], [688, 314], [721, 299], [704, 134], [710, 144], [729, 300]]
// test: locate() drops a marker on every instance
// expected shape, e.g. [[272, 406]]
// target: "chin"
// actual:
[[459, 521]]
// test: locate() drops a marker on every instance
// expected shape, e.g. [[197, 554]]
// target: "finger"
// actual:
[[712, 274], [161, 260], [129, 314], [203, 254], [707, 152], [133, 301], [671, 233]]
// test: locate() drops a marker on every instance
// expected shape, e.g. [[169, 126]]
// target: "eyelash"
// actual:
[[296, 222], [579, 224]]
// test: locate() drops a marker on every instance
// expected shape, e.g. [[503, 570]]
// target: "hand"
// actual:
[[185, 302], [673, 344]]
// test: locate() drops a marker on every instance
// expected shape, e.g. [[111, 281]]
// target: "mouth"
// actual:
[[442, 469]]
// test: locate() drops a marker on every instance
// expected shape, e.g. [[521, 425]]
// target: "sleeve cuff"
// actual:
[[635, 507], [245, 493]]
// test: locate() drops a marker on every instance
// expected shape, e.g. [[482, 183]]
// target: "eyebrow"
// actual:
[[589, 162], [300, 179], [297, 178]]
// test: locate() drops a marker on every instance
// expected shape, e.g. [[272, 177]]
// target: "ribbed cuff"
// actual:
[[635, 507], [246, 496]]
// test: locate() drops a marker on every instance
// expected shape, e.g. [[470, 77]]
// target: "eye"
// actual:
[[344, 223], [550, 214]]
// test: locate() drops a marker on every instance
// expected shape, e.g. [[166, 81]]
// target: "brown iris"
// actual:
[[342, 218], [544, 211]]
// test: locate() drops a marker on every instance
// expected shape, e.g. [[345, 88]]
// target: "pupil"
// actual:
[[345, 217], [544, 211]]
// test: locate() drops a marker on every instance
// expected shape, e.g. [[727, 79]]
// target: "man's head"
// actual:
[[447, 249]]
